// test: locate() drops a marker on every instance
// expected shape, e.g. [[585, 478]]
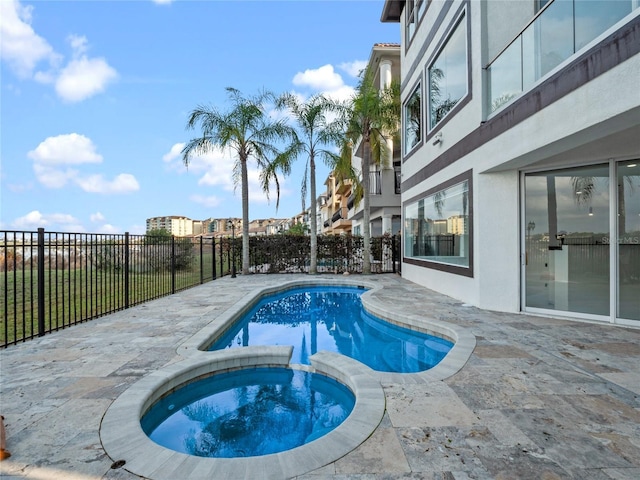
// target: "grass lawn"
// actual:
[[76, 295]]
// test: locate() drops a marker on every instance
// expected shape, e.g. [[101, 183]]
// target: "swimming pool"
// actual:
[[331, 318]]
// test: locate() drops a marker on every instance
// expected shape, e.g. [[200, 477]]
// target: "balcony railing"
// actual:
[[337, 216], [558, 31]]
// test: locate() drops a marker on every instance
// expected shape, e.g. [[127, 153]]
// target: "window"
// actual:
[[437, 226], [413, 120], [448, 75], [415, 10], [410, 21]]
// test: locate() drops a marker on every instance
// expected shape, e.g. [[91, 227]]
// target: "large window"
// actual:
[[437, 226], [413, 120], [448, 75]]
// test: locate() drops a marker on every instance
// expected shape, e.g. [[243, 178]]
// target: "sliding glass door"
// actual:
[[628, 281], [582, 241]]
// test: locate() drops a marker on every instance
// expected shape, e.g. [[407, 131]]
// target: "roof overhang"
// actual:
[[392, 10]]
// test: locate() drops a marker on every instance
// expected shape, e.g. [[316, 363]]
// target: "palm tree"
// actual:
[[247, 131], [316, 131], [371, 119]]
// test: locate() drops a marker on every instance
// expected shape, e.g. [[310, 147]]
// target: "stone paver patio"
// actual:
[[539, 397]]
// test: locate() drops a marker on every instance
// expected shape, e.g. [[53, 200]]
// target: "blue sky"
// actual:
[[95, 97]]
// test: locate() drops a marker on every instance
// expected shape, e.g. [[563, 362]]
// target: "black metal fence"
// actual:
[[52, 280]]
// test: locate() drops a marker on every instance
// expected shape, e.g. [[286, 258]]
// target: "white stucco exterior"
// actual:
[[585, 110]]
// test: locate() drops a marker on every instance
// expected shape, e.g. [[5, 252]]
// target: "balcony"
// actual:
[[343, 187], [340, 219], [557, 32]]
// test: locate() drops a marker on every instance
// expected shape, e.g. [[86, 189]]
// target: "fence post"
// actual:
[[213, 257], [126, 269], [393, 253], [40, 282], [201, 264], [173, 264]]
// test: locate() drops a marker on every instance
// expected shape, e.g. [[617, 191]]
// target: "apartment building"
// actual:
[[384, 180], [176, 225], [333, 207], [521, 137], [180, 226]]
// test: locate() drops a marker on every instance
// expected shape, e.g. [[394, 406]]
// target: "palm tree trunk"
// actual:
[[313, 266], [366, 214], [245, 215]]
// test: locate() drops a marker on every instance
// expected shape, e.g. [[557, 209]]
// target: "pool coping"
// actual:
[[124, 440], [464, 341]]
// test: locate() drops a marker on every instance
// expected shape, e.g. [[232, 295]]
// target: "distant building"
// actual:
[[384, 180], [176, 225]]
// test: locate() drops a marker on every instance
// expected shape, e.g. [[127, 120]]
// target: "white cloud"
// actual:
[[174, 153], [216, 170], [53, 177], [52, 157], [162, 2], [108, 228], [326, 81], [257, 195], [210, 201], [20, 187], [83, 78], [60, 221], [96, 217], [320, 79], [215, 167], [137, 229], [122, 183], [353, 68], [22, 47], [79, 44], [67, 149]]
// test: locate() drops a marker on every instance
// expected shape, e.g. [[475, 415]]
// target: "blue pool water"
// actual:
[[332, 318], [248, 412]]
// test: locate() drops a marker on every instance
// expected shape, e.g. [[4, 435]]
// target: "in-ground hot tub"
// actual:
[[248, 412], [125, 440]]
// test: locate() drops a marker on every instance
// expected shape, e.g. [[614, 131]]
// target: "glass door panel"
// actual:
[[629, 240], [567, 240]]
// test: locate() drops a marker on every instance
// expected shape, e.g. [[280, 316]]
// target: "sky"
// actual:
[[95, 97]]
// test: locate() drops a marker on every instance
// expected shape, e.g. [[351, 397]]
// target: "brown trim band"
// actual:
[[610, 52]]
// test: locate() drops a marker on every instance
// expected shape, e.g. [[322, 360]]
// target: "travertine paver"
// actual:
[[539, 398]]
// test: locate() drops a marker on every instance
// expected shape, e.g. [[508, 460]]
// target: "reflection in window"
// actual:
[[567, 239], [555, 35], [448, 75], [412, 119], [437, 227]]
